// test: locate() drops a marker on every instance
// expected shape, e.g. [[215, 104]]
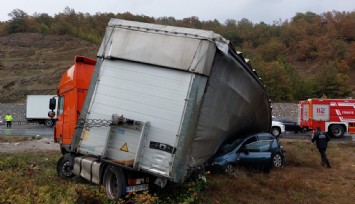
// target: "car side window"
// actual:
[[266, 137], [250, 140], [259, 146]]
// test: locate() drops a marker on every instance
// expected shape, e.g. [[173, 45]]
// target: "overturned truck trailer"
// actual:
[[162, 100]]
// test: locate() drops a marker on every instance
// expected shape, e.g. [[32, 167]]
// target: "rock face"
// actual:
[[279, 110], [285, 110], [17, 110]]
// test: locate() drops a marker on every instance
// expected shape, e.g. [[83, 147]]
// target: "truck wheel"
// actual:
[[114, 182], [275, 131], [49, 123], [337, 131], [64, 170]]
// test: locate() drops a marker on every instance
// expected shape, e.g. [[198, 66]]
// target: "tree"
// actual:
[[333, 80], [272, 49], [18, 21], [276, 80], [45, 22]]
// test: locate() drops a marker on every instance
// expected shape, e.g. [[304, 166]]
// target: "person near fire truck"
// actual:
[[322, 140]]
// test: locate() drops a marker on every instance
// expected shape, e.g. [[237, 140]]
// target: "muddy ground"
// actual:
[[29, 145]]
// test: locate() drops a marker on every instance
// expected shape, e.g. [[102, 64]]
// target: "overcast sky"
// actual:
[[256, 11]]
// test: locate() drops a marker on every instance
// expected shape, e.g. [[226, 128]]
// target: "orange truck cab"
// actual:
[[71, 95]]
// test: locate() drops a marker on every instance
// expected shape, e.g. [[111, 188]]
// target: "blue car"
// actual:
[[259, 151]]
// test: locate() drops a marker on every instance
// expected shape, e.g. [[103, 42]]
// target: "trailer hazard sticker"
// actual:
[[124, 147], [85, 135]]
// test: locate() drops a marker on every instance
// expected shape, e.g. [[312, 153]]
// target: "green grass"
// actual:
[[31, 178]]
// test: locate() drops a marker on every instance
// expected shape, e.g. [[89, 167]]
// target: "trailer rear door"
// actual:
[[144, 93]]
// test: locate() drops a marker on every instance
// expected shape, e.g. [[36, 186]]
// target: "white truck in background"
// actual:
[[37, 109]]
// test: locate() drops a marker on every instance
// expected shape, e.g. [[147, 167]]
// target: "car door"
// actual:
[[256, 155], [290, 125]]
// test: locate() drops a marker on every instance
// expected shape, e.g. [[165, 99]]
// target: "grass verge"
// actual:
[[31, 178]]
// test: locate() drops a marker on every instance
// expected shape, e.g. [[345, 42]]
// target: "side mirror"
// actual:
[[52, 103]]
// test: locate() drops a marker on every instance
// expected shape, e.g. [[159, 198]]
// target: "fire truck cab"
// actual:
[[334, 116]]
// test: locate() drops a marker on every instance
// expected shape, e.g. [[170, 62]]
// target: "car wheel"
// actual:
[[277, 160], [64, 170], [303, 130], [275, 131], [229, 169]]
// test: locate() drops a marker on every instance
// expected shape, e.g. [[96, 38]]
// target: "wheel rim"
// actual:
[[277, 161], [303, 130], [49, 123], [336, 131], [66, 170], [275, 132], [229, 169], [112, 185]]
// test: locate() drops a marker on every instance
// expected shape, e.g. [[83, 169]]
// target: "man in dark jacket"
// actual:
[[322, 140]]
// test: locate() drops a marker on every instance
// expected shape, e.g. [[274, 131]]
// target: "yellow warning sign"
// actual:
[[124, 147], [85, 136]]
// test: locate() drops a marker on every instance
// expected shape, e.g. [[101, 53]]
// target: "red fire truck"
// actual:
[[334, 116]]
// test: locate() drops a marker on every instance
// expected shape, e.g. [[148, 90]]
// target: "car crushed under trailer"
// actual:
[[258, 151], [161, 101]]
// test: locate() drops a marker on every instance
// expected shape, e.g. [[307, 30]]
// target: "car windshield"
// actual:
[[229, 147]]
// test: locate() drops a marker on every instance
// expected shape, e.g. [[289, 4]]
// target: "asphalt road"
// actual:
[[41, 130], [27, 130], [292, 135]]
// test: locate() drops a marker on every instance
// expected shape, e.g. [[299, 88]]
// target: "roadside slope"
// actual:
[[32, 63]]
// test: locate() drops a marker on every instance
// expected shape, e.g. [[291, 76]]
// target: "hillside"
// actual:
[[32, 63]]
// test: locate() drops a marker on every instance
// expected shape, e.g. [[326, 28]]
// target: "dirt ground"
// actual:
[[27, 145]]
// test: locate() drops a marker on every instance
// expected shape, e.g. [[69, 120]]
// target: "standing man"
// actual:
[[322, 140], [8, 119]]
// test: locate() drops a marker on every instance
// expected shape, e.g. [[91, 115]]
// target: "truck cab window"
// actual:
[[60, 105]]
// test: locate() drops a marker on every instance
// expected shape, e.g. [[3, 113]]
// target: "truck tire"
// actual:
[[275, 131], [114, 182], [49, 123], [337, 131], [64, 170]]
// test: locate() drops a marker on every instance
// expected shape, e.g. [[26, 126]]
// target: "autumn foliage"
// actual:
[[308, 56]]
